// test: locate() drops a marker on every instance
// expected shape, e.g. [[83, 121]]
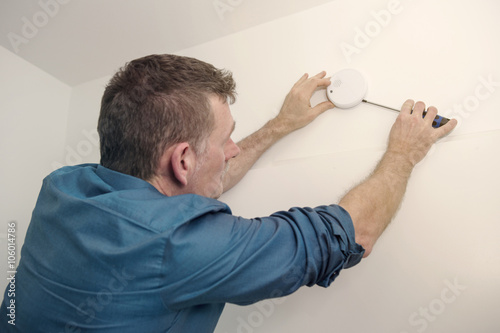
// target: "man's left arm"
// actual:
[[295, 113]]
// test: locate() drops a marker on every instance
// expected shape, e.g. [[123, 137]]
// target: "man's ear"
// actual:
[[183, 162]]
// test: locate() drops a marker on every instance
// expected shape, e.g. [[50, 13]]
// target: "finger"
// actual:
[[302, 79], [431, 114], [326, 81], [314, 83], [447, 128], [320, 75], [418, 109], [407, 106], [322, 107]]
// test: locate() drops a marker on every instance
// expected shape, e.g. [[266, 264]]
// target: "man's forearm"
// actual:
[[251, 148], [295, 113], [374, 202]]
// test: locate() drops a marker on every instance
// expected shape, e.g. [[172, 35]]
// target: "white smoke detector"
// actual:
[[348, 88]]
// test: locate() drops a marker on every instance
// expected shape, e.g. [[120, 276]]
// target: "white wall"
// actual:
[[82, 142], [34, 108], [444, 238], [446, 233]]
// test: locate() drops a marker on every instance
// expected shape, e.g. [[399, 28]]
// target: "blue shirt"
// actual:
[[107, 252]]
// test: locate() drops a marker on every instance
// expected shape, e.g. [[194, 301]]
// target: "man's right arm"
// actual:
[[374, 202]]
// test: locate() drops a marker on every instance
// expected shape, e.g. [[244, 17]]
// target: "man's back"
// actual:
[[91, 261]]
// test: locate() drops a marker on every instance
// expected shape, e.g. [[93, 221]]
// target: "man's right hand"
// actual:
[[412, 136]]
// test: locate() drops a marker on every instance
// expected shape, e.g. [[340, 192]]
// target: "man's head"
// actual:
[[154, 103]]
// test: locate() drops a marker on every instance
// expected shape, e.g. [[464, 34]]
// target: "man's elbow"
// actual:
[[367, 243]]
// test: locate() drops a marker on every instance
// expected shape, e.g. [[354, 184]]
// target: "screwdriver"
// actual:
[[438, 120]]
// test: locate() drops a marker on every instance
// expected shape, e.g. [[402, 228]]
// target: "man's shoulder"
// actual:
[[135, 200]]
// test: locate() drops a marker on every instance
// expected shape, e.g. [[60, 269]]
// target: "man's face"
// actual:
[[212, 163]]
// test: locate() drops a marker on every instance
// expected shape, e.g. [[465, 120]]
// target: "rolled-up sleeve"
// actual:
[[221, 258]]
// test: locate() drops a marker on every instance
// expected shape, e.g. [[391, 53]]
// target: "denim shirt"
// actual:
[[107, 252]]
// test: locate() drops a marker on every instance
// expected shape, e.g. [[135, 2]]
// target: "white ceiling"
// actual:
[[80, 40]]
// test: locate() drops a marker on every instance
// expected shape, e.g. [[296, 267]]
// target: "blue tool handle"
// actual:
[[438, 120]]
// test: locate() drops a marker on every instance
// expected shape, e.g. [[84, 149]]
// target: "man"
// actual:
[[139, 243]]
